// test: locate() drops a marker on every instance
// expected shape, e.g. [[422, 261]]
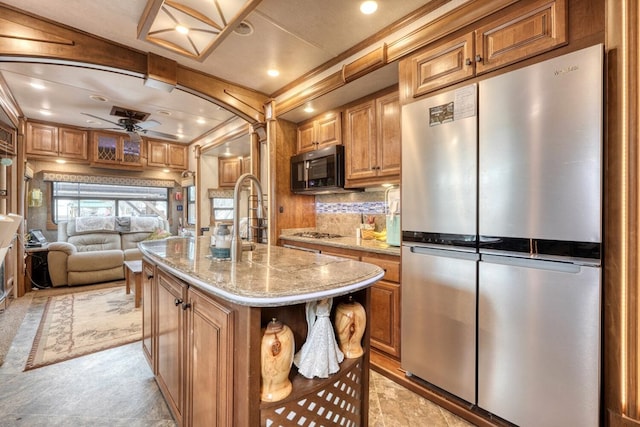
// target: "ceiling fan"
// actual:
[[134, 123]]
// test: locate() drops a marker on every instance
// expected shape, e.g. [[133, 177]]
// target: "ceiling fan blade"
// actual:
[[148, 124], [104, 120], [160, 134]]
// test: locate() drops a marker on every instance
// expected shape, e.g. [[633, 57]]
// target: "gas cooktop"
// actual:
[[316, 235]]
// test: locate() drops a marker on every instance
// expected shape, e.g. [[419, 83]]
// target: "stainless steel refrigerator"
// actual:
[[501, 262]]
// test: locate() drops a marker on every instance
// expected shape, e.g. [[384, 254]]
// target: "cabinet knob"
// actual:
[[149, 276], [185, 305], [177, 301], [478, 58], [467, 61]]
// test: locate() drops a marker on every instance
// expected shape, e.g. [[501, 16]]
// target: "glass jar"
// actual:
[[222, 249]]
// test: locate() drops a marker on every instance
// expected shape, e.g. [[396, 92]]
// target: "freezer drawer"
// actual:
[[439, 319], [539, 342]]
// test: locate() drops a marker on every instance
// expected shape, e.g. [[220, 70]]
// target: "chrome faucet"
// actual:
[[236, 243]]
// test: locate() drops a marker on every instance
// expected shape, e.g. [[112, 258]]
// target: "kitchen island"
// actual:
[[203, 321]]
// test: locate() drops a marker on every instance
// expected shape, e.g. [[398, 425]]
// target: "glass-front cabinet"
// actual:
[[116, 150]]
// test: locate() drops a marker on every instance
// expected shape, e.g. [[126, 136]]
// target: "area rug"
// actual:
[[81, 323]]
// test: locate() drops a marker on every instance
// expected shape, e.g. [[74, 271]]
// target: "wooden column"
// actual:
[[621, 388]]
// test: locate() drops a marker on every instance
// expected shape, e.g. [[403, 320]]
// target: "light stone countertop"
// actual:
[[268, 276], [347, 242]]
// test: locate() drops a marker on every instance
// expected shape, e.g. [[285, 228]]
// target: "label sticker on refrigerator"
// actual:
[[441, 114], [465, 102]]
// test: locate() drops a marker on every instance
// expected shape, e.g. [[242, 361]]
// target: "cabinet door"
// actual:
[[148, 328], [229, 170], [526, 32], [210, 362], [385, 307], [131, 154], [42, 139], [329, 130], [442, 65], [170, 341], [72, 143], [385, 317], [177, 156], [106, 148], [360, 143], [157, 154], [306, 137], [388, 134]]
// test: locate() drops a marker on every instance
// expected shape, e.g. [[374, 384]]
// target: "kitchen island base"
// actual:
[[206, 359]]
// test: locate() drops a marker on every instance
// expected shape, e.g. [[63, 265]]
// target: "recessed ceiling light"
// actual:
[[45, 112], [273, 72], [368, 7], [37, 85], [201, 121], [98, 98], [93, 122], [164, 112], [244, 29], [308, 109], [182, 29]]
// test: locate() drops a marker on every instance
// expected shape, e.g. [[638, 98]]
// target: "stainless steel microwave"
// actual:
[[319, 171]]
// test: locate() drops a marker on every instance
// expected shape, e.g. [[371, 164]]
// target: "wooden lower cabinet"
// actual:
[[209, 374], [171, 342], [148, 321]]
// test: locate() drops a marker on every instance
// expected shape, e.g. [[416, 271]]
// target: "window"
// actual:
[[191, 205], [222, 208], [73, 199]]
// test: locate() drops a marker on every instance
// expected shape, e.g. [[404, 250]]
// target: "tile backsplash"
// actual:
[[343, 213]]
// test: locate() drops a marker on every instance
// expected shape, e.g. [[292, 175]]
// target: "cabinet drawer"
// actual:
[[391, 268]]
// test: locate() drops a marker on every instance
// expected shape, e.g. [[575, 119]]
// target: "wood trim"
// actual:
[[8, 103], [622, 215], [365, 64]]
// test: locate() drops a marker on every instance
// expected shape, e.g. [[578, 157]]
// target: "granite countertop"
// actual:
[[268, 276], [348, 242]]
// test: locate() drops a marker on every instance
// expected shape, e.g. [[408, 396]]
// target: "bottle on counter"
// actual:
[[276, 358]]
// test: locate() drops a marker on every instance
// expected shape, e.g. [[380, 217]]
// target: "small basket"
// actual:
[[367, 234]]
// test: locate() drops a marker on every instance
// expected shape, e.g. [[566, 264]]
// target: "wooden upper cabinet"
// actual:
[[229, 170], [360, 141], [45, 140], [442, 65], [72, 143], [320, 132], [167, 155], [42, 139], [372, 141], [389, 134], [116, 150], [525, 32]]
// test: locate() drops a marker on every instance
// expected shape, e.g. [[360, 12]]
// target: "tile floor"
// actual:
[[116, 388]]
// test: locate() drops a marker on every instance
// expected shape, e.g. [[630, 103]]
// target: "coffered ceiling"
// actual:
[[234, 40]]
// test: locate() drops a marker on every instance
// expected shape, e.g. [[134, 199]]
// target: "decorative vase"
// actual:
[[276, 357], [350, 324]]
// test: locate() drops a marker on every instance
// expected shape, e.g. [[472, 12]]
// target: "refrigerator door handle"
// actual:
[[562, 267], [421, 250]]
